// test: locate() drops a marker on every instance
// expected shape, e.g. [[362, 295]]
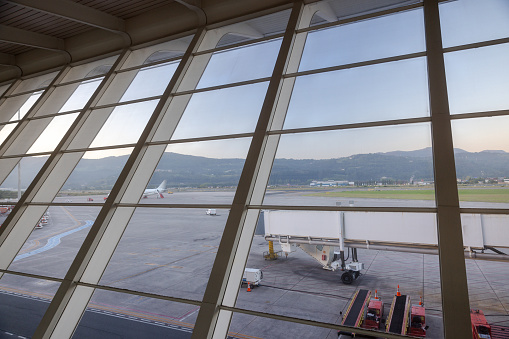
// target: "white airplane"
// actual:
[[159, 191]]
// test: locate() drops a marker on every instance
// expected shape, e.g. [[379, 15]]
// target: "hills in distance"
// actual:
[[193, 171]]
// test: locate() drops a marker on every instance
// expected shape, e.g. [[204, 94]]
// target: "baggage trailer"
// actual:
[[397, 321], [354, 314]]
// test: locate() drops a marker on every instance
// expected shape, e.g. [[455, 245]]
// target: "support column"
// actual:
[[453, 278], [212, 322]]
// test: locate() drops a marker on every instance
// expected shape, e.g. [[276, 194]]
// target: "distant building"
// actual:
[[331, 183]]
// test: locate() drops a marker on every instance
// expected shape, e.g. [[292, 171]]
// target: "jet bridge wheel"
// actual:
[[347, 278]]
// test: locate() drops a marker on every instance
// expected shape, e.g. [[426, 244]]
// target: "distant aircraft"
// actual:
[[159, 190]]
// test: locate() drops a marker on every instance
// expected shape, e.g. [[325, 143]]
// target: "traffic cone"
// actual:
[[248, 287], [420, 302], [398, 293], [376, 295]]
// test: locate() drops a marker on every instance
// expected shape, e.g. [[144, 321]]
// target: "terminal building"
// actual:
[[103, 103]]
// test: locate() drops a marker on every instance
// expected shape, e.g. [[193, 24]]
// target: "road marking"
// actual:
[[53, 241]]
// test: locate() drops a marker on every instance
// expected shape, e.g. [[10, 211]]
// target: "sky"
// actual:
[[477, 81]]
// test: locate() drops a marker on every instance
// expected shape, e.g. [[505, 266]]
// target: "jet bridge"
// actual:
[[318, 233]]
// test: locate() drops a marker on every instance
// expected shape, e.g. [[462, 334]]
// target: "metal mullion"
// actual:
[[360, 18], [209, 323], [54, 321], [140, 294], [98, 148], [9, 90], [123, 103], [10, 156], [357, 64], [80, 80], [350, 126], [32, 111], [233, 84], [240, 44], [485, 114], [481, 210], [139, 67], [138, 205], [344, 208], [210, 138], [476, 45], [28, 92], [356, 330], [54, 114], [453, 278], [31, 275]]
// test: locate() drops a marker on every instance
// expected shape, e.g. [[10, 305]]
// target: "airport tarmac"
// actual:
[[170, 252]]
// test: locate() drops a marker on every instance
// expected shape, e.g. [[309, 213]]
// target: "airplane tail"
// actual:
[[162, 187]]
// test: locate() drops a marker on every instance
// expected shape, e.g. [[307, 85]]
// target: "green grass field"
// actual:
[[468, 194]]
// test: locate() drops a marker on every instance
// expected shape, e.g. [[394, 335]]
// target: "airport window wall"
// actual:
[[264, 174]]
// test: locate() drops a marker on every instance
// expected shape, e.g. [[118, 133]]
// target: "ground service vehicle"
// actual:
[[374, 313], [397, 320], [418, 321], [354, 314], [480, 327]]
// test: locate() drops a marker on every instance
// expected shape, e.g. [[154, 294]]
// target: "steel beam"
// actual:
[[453, 277], [76, 12], [23, 37]]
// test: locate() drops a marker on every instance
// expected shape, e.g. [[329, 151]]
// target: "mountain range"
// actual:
[[192, 171]]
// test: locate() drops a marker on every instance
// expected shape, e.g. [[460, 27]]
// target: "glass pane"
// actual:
[[376, 166], [53, 134], [155, 53], [55, 241], [5, 130], [486, 236], [18, 174], [24, 302], [482, 161], [395, 90], [138, 84], [167, 251], [391, 35], [4, 88], [16, 108], [90, 69], [477, 79], [256, 28], [200, 172], [124, 125], [240, 64], [119, 315], [34, 83], [41, 135], [94, 176], [294, 267], [212, 113], [469, 21], [69, 98]]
